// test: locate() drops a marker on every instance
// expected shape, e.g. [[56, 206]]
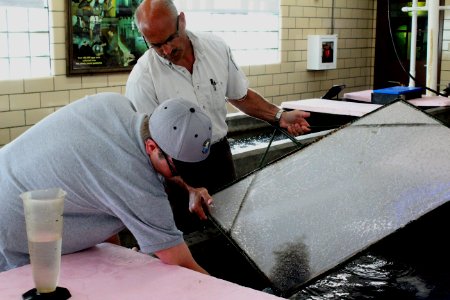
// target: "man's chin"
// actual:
[[174, 57]]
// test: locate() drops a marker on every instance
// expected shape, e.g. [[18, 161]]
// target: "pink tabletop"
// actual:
[[331, 106], [111, 272], [363, 96], [366, 96], [339, 107]]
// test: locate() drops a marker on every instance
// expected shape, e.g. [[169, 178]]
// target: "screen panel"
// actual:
[[314, 209]]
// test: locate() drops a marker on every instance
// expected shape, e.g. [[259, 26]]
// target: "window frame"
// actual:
[[254, 9], [29, 63]]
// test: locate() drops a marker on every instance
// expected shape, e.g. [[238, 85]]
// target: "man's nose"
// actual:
[[167, 49]]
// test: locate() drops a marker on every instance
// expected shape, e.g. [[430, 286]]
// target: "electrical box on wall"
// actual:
[[322, 52]]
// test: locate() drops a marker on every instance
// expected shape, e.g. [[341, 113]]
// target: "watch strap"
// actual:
[[278, 116]]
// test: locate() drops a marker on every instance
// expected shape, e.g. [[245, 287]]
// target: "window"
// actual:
[[24, 40], [250, 27]]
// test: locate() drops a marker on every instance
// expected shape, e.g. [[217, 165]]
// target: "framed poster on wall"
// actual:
[[102, 36]]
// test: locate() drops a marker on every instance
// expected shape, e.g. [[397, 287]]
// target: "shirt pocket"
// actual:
[[209, 96]]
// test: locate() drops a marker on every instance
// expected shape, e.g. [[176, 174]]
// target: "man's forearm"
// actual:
[[180, 255], [256, 106], [180, 182]]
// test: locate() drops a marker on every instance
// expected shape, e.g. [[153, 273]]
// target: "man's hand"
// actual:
[[294, 121], [199, 200]]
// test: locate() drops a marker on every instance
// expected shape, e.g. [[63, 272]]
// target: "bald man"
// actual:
[[200, 68]]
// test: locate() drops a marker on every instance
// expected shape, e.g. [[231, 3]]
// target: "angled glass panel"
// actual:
[[231, 203], [316, 208]]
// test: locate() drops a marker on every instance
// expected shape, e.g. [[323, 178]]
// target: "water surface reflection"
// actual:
[[413, 263]]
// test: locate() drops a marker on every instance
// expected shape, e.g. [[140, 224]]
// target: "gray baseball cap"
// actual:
[[181, 129]]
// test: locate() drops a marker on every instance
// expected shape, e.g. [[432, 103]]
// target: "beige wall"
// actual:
[[25, 102]]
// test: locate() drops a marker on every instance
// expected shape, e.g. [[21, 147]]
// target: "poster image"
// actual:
[[327, 52], [102, 36]]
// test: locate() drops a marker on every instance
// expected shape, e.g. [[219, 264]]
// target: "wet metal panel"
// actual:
[[314, 209]]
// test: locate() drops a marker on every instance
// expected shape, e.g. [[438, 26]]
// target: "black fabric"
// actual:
[[212, 173]]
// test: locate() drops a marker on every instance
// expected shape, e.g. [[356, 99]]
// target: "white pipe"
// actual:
[[412, 56], [432, 40], [432, 44]]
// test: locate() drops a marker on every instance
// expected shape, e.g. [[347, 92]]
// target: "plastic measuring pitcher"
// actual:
[[44, 222]]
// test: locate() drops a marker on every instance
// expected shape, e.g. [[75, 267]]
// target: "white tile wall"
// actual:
[[289, 80]]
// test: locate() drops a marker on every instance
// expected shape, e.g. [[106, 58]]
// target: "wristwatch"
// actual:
[[278, 116]]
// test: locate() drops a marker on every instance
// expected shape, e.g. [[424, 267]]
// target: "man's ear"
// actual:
[[150, 146]]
